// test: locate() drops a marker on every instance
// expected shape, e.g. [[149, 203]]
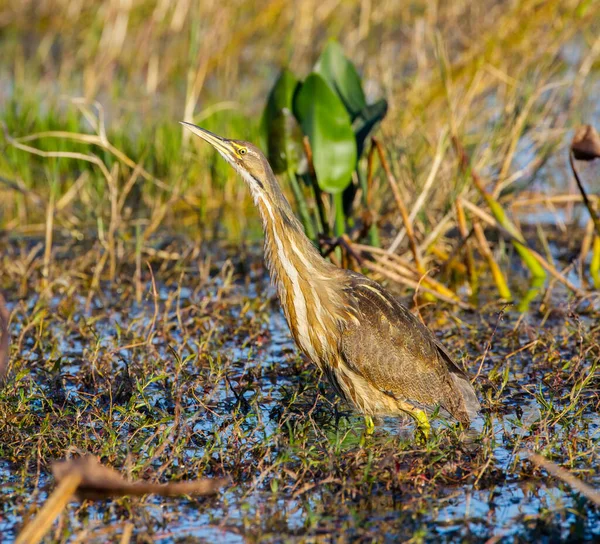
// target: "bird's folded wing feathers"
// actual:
[[397, 354]]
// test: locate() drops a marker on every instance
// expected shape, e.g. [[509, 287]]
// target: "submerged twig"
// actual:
[[564, 475]]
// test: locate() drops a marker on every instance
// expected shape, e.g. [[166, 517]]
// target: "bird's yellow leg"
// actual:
[[369, 425], [420, 417], [422, 422]]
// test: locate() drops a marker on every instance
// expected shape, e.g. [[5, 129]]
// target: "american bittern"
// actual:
[[377, 355]]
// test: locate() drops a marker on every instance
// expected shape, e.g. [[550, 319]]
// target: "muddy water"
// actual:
[[208, 372]]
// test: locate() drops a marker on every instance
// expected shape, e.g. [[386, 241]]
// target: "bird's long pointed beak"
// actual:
[[220, 144]]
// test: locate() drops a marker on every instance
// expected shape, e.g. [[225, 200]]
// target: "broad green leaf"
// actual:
[[367, 120], [342, 77], [281, 135], [325, 121]]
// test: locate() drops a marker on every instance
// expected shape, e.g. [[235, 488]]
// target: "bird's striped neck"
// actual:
[[308, 286]]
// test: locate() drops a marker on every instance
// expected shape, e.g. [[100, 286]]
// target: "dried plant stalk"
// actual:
[[487, 254], [564, 475], [100, 482]]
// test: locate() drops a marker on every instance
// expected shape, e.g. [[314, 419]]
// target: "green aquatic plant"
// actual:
[[330, 110]]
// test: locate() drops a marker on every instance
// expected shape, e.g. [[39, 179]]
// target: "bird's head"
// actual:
[[245, 158]]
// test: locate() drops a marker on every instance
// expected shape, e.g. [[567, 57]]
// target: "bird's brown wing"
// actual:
[[397, 354]]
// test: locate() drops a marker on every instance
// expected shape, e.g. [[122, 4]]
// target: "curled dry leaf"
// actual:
[[585, 147], [586, 144], [4, 337], [101, 482]]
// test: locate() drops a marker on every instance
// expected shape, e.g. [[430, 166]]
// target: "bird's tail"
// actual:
[[467, 392]]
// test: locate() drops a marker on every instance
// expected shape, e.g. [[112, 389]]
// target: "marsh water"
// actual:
[[200, 377], [183, 366]]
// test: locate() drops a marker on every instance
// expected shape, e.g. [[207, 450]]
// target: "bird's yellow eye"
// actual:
[[242, 151]]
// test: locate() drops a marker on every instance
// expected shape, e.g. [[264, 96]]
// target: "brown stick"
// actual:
[[36, 529], [385, 260], [97, 481], [530, 199], [414, 285], [558, 472]]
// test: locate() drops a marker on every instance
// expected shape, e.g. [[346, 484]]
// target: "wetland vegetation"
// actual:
[[143, 328]]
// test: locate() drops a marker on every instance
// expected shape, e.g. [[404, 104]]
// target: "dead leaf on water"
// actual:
[[101, 482], [85, 478], [586, 143]]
